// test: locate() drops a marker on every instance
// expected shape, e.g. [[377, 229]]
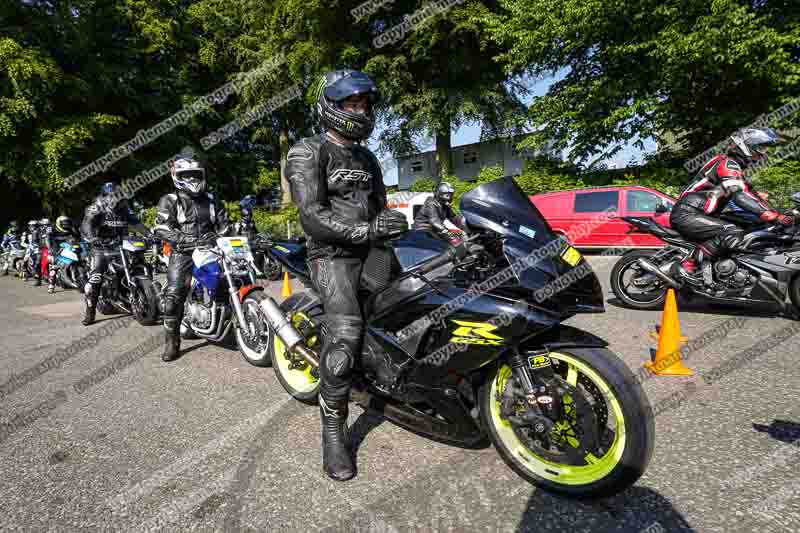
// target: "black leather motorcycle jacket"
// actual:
[[181, 219], [338, 190], [105, 228], [432, 215]]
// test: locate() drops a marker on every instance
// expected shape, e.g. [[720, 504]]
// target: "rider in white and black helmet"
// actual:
[[186, 218]]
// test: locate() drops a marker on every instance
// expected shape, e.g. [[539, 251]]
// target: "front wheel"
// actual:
[[636, 287], [252, 337], [144, 302], [599, 444]]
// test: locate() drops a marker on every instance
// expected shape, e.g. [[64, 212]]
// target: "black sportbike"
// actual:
[[764, 270], [495, 366]]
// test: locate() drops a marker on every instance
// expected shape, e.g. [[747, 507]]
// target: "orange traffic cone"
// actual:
[[654, 335], [287, 288], [667, 360]]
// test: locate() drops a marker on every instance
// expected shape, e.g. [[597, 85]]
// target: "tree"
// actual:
[[639, 66], [441, 76]]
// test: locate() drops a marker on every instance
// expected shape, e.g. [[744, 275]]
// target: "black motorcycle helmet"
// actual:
[[750, 145], [112, 196], [444, 193], [246, 206], [333, 89]]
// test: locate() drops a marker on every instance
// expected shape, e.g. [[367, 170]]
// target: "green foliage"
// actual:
[[149, 217], [780, 181], [232, 208], [275, 223], [424, 185], [696, 68]]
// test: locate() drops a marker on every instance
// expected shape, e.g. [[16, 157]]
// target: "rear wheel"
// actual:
[[297, 376], [253, 338], [636, 287], [600, 444]]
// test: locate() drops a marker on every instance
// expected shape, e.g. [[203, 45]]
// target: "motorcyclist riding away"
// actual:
[[720, 180]]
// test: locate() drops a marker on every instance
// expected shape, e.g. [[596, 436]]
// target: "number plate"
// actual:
[[571, 256], [236, 243]]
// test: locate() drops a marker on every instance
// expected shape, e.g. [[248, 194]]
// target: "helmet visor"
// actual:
[[352, 84]]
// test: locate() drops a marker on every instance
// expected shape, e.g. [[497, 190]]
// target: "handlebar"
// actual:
[[434, 263], [446, 257]]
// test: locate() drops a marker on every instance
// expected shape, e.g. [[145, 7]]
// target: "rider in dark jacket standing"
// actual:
[[722, 179], [436, 210], [338, 187], [185, 219], [105, 224]]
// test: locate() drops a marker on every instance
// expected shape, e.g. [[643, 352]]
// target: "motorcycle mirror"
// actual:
[[796, 197]]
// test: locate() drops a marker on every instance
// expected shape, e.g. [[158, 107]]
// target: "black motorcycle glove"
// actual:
[[389, 223]]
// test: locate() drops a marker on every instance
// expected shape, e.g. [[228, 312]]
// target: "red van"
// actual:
[[567, 210]]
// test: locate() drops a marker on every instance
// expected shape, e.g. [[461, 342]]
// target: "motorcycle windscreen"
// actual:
[[542, 261]]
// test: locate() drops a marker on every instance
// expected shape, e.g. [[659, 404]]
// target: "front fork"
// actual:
[[234, 294]]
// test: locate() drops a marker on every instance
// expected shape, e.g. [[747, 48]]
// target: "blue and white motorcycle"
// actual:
[[70, 266], [224, 296]]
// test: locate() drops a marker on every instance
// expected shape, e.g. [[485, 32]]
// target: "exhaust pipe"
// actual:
[[650, 267], [287, 332]]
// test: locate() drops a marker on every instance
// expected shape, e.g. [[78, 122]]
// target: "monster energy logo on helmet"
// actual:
[[333, 89]]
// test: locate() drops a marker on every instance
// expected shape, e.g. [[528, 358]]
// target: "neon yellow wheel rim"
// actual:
[[598, 467], [301, 381]]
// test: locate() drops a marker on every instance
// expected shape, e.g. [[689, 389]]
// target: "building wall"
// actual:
[[489, 153]]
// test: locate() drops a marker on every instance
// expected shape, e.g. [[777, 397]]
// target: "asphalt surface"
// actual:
[[210, 443]]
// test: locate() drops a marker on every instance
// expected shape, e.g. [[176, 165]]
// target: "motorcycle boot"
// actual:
[[89, 305], [337, 460], [172, 331]]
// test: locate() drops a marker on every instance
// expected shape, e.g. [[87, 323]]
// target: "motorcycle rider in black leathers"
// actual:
[[436, 210], [338, 187], [246, 227], [11, 238], [64, 231], [721, 180], [105, 223], [187, 218], [31, 238]]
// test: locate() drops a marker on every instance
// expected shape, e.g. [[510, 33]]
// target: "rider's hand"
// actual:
[[459, 250], [50, 258], [453, 238], [389, 223]]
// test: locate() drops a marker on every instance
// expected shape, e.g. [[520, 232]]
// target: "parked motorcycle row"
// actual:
[[561, 409]]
